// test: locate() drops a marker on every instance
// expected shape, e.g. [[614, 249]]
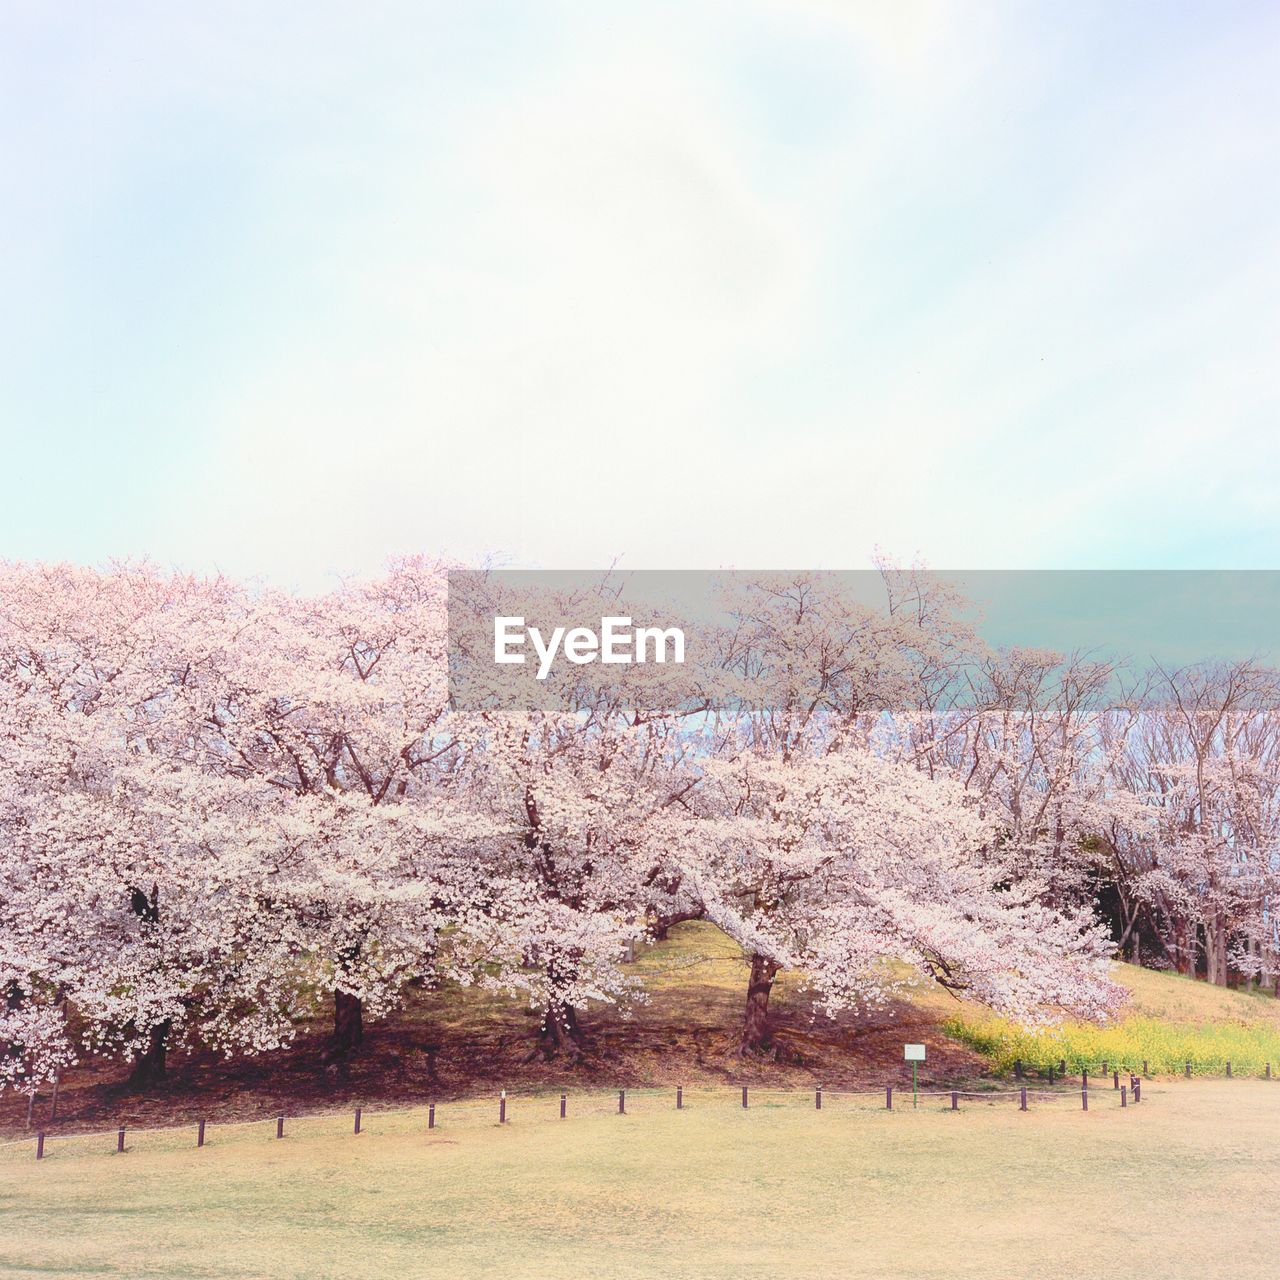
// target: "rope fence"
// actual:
[[1114, 1085], [434, 1119]]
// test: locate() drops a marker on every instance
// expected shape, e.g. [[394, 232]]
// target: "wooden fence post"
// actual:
[[1022, 1100], [955, 1100], [1124, 1096], [431, 1116], [279, 1126], [744, 1097], [119, 1140], [1115, 1083], [679, 1097], [1084, 1099], [888, 1097], [817, 1098], [357, 1128], [39, 1146], [1137, 1091], [200, 1134], [564, 1102], [622, 1102], [502, 1108]]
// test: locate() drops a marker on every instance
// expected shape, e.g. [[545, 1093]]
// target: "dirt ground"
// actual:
[[454, 1043]]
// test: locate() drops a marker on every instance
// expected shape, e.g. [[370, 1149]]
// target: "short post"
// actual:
[[1188, 1071], [502, 1108], [1115, 1083], [1022, 1099], [1124, 1096], [955, 1100], [431, 1116], [279, 1126], [1228, 1068], [888, 1097], [357, 1128], [1051, 1073], [622, 1102], [119, 1140], [679, 1097], [817, 1098], [200, 1133], [1137, 1091], [39, 1146], [564, 1102], [1084, 1099]]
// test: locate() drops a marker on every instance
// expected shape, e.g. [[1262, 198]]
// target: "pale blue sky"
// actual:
[[291, 288]]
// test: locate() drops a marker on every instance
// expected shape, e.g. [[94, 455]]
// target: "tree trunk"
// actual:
[[755, 1026], [560, 1036], [1215, 952], [149, 1065], [348, 1025], [1184, 948]]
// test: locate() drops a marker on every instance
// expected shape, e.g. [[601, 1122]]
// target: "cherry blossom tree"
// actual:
[[106, 825], [829, 856], [1206, 761], [833, 863], [345, 695]]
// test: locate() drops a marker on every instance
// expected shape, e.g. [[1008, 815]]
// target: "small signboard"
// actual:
[[913, 1053]]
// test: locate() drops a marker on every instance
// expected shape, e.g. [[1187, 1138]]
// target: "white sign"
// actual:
[[913, 1052]]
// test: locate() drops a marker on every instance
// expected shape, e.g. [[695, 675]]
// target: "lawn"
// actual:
[[1182, 1185]]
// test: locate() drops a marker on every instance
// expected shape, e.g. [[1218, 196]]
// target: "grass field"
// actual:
[[1181, 1186]]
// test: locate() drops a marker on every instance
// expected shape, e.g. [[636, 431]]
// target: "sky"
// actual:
[[290, 289]]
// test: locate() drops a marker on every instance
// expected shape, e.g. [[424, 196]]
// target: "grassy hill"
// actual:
[[1171, 1020], [453, 1042]]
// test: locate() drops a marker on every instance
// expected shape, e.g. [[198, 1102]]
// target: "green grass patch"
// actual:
[[1171, 1021]]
